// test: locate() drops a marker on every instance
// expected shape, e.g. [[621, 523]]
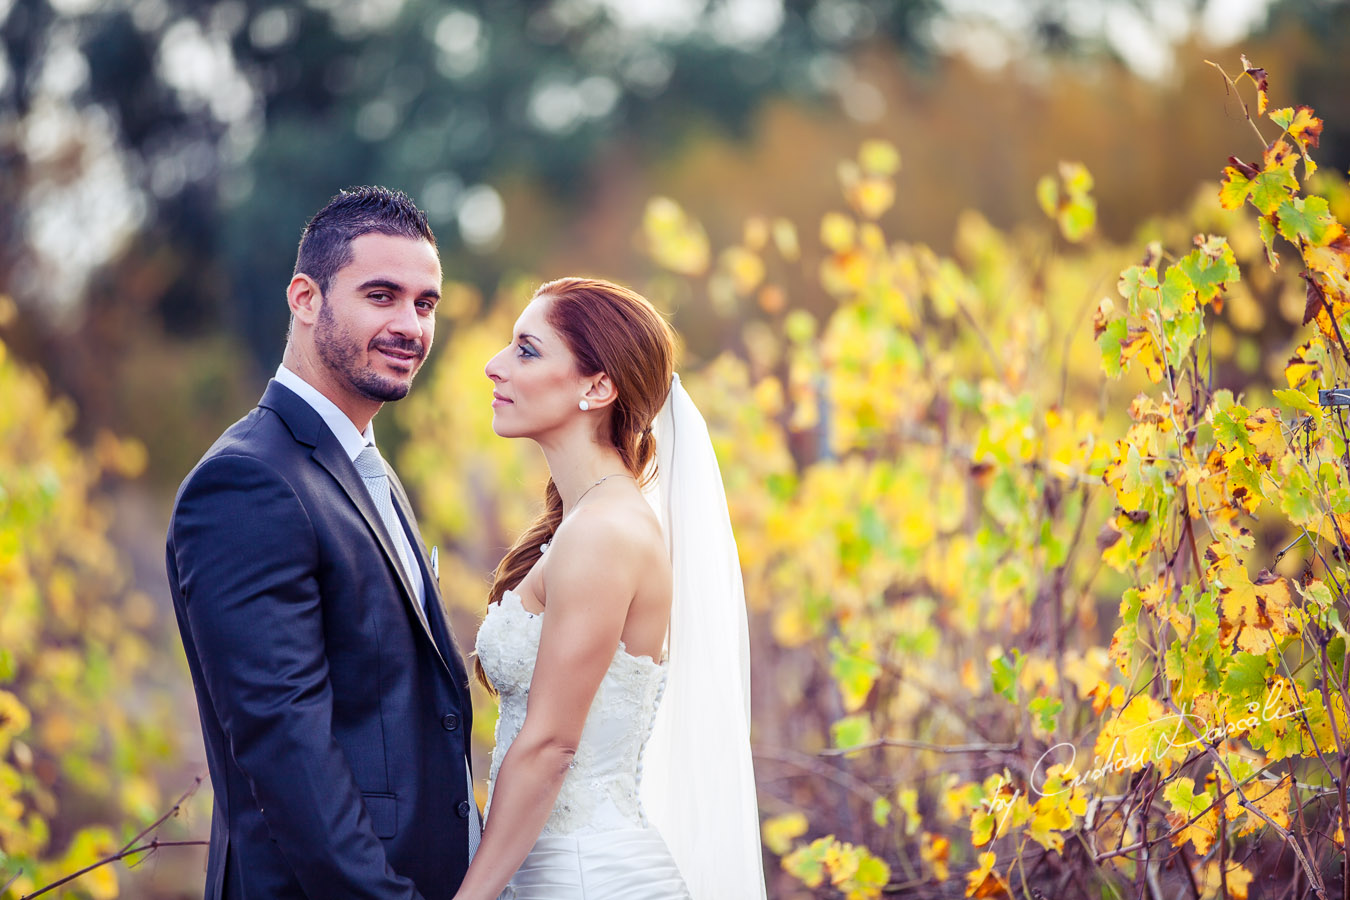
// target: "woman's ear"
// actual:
[[600, 391]]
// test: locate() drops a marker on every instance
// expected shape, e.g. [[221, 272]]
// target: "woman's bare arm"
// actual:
[[593, 570]]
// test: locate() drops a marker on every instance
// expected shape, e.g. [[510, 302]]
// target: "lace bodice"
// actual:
[[600, 791]]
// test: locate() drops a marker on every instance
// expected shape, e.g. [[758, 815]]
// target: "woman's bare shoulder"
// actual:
[[618, 529]]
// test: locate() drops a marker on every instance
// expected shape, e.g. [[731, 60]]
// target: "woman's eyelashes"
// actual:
[[525, 350]]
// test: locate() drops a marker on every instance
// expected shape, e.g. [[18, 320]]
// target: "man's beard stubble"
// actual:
[[339, 351]]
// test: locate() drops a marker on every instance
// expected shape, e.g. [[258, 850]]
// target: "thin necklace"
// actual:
[[543, 548]]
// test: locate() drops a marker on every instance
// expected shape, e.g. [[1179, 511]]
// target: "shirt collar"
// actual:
[[352, 441]]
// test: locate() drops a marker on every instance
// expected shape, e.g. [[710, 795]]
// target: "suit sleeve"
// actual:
[[247, 559]]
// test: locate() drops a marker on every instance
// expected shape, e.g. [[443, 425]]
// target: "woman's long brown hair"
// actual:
[[608, 328]]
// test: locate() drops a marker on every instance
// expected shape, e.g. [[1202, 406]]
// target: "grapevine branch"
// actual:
[[132, 847]]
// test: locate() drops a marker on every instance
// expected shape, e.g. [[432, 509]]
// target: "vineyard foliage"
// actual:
[[81, 742], [1044, 541]]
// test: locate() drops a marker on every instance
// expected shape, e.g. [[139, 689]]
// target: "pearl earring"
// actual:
[[584, 405]]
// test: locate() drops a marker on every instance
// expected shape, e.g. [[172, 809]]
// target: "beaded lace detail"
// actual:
[[600, 790]]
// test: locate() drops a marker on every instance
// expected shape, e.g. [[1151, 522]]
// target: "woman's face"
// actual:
[[536, 385]]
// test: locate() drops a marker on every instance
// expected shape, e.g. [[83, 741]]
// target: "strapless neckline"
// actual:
[[622, 648]]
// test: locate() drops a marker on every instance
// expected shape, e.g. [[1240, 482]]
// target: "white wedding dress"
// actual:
[[597, 844]]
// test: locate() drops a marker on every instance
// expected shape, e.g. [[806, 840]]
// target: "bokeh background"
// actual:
[[159, 158]]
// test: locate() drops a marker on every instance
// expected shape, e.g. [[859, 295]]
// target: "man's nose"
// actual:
[[406, 321]]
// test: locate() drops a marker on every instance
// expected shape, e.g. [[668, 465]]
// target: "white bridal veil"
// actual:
[[699, 784]]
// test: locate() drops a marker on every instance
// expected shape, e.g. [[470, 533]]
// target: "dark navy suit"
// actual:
[[335, 712]]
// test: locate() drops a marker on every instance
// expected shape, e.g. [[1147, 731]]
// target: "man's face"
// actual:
[[378, 317]]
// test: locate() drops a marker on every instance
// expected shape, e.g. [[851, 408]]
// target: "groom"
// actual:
[[334, 702]]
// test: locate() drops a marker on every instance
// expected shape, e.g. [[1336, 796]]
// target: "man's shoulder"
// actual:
[[260, 437]]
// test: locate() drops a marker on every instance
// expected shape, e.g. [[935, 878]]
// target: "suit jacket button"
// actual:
[[463, 809], [450, 722]]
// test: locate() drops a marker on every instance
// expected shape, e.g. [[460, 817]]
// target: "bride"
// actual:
[[616, 633]]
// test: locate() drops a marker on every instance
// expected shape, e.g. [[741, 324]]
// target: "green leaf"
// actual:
[[1294, 398], [1184, 800], [850, 731], [1177, 293], [1077, 219], [1047, 195], [1309, 219], [1336, 656], [1003, 500], [1183, 331], [1112, 336], [881, 811], [1003, 675], [1245, 678], [854, 672], [1047, 710], [1272, 187], [1138, 284], [1267, 228], [1298, 497], [807, 862], [1209, 267]]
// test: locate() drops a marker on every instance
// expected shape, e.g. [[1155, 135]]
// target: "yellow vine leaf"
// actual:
[[1236, 876], [984, 881], [1304, 127], [674, 239], [838, 232], [1255, 615], [934, 850], [879, 157], [871, 196], [780, 831], [745, 268], [1273, 800], [1187, 805], [1139, 344]]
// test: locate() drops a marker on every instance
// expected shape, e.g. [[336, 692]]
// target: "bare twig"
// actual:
[[131, 848], [920, 745]]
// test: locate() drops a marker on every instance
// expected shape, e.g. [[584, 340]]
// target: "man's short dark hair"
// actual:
[[326, 245]]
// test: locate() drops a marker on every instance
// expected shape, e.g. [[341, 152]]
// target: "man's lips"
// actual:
[[399, 356]]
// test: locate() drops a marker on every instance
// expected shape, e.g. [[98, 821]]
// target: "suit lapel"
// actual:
[[439, 628], [307, 427], [332, 457]]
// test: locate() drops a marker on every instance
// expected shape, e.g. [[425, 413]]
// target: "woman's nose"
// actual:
[[491, 369]]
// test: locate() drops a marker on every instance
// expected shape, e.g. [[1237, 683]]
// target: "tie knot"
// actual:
[[369, 464]]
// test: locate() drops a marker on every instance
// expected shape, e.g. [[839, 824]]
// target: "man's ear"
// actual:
[[600, 391], [304, 298]]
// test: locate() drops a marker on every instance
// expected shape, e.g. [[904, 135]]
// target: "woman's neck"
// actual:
[[576, 469]]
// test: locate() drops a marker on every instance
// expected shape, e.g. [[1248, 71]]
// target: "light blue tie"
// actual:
[[370, 466], [475, 827]]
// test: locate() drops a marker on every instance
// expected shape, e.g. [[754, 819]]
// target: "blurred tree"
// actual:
[[222, 126]]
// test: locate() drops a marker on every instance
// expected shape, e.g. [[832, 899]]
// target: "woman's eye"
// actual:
[[525, 350]]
